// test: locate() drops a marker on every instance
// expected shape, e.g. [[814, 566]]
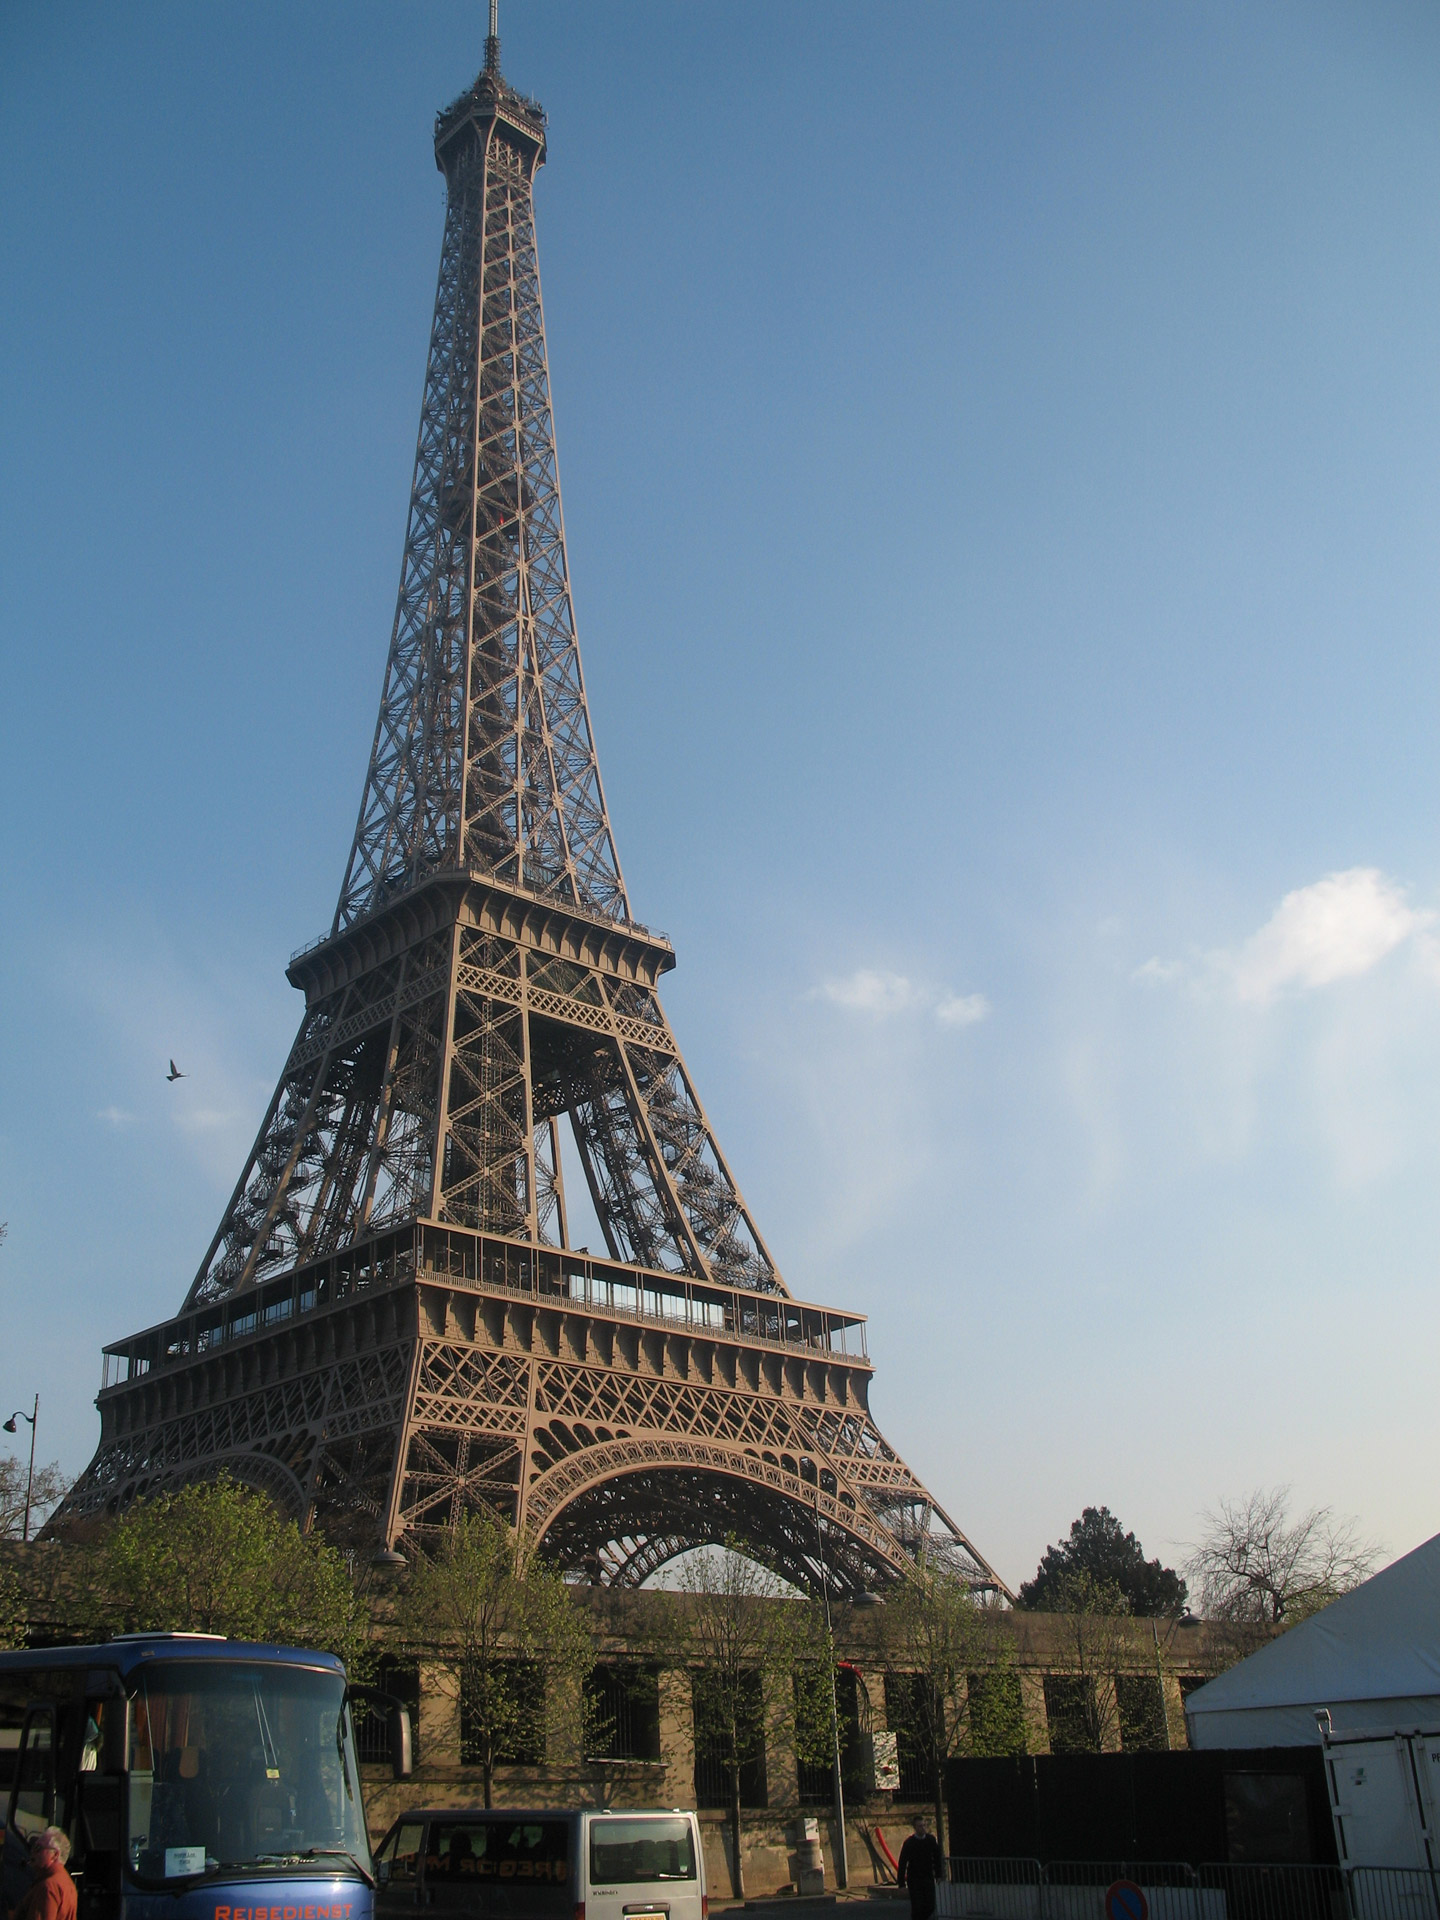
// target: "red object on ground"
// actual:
[[886, 1851]]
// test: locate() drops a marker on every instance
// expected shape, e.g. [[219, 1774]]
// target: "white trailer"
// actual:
[[1384, 1794]]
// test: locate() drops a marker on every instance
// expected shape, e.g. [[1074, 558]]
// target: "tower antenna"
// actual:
[[492, 39]]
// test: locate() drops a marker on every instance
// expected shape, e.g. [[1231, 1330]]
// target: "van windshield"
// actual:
[[242, 1765], [654, 1847]]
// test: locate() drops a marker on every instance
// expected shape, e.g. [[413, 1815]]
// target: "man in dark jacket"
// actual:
[[920, 1866]]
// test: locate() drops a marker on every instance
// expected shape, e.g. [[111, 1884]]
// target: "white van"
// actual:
[[550, 1864]]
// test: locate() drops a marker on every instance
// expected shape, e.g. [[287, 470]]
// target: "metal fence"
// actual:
[[1075, 1889], [1018, 1889], [991, 1890], [1394, 1893], [1280, 1892]]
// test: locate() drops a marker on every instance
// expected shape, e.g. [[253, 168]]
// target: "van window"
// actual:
[[624, 1852], [32, 1800], [537, 1851], [399, 1858]]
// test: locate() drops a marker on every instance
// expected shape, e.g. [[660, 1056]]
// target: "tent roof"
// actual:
[[1380, 1642]]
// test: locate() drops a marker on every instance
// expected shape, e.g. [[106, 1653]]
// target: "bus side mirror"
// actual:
[[115, 1749], [402, 1756]]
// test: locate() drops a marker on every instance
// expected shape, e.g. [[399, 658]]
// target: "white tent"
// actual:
[[1372, 1657]]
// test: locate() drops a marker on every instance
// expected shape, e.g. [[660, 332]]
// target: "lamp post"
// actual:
[[842, 1861], [1185, 1619], [10, 1427]]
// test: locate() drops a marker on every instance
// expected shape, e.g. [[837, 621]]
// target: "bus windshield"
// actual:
[[242, 1765]]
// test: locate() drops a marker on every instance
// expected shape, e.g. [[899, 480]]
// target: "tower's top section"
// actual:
[[484, 762], [465, 123]]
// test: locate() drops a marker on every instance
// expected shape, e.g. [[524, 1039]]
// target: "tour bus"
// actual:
[[555, 1864], [198, 1778]]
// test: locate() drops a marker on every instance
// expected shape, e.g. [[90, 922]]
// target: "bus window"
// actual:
[[92, 1742], [234, 1764], [32, 1798], [11, 1721]]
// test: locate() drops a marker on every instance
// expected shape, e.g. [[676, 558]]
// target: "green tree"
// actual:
[[956, 1669], [217, 1557], [519, 1643], [1100, 1548], [761, 1673], [1096, 1635]]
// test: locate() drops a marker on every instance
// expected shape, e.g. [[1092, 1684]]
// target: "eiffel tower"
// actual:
[[390, 1325]]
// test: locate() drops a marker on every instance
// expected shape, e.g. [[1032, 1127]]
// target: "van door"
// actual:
[[644, 1866], [397, 1869]]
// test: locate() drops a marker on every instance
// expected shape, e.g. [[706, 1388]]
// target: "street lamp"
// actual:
[[842, 1862], [10, 1427], [1185, 1619]]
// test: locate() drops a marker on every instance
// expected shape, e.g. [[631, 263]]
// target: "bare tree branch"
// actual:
[[1256, 1565], [50, 1488]]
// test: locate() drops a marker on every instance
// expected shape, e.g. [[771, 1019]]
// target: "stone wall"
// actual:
[[643, 1625], [626, 1624]]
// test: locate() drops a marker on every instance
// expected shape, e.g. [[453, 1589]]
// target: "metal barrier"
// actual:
[[1075, 1889], [1261, 1892], [1394, 1893], [980, 1889]]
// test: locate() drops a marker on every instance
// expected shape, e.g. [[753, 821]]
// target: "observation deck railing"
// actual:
[[457, 1257]]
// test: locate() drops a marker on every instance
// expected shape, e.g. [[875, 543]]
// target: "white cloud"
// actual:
[[870, 990], [1335, 929], [1340, 927], [1161, 970], [115, 1116], [206, 1119], [962, 1009]]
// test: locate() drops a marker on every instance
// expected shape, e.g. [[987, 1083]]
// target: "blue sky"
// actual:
[[1001, 458]]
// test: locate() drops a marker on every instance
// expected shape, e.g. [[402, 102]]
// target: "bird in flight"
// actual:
[[175, 1073]]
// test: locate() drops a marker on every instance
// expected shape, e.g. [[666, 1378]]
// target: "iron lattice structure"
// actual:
[[390, 1325]]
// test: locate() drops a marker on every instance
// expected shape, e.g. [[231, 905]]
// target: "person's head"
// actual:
[[919, 1826], [50, 1847]]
